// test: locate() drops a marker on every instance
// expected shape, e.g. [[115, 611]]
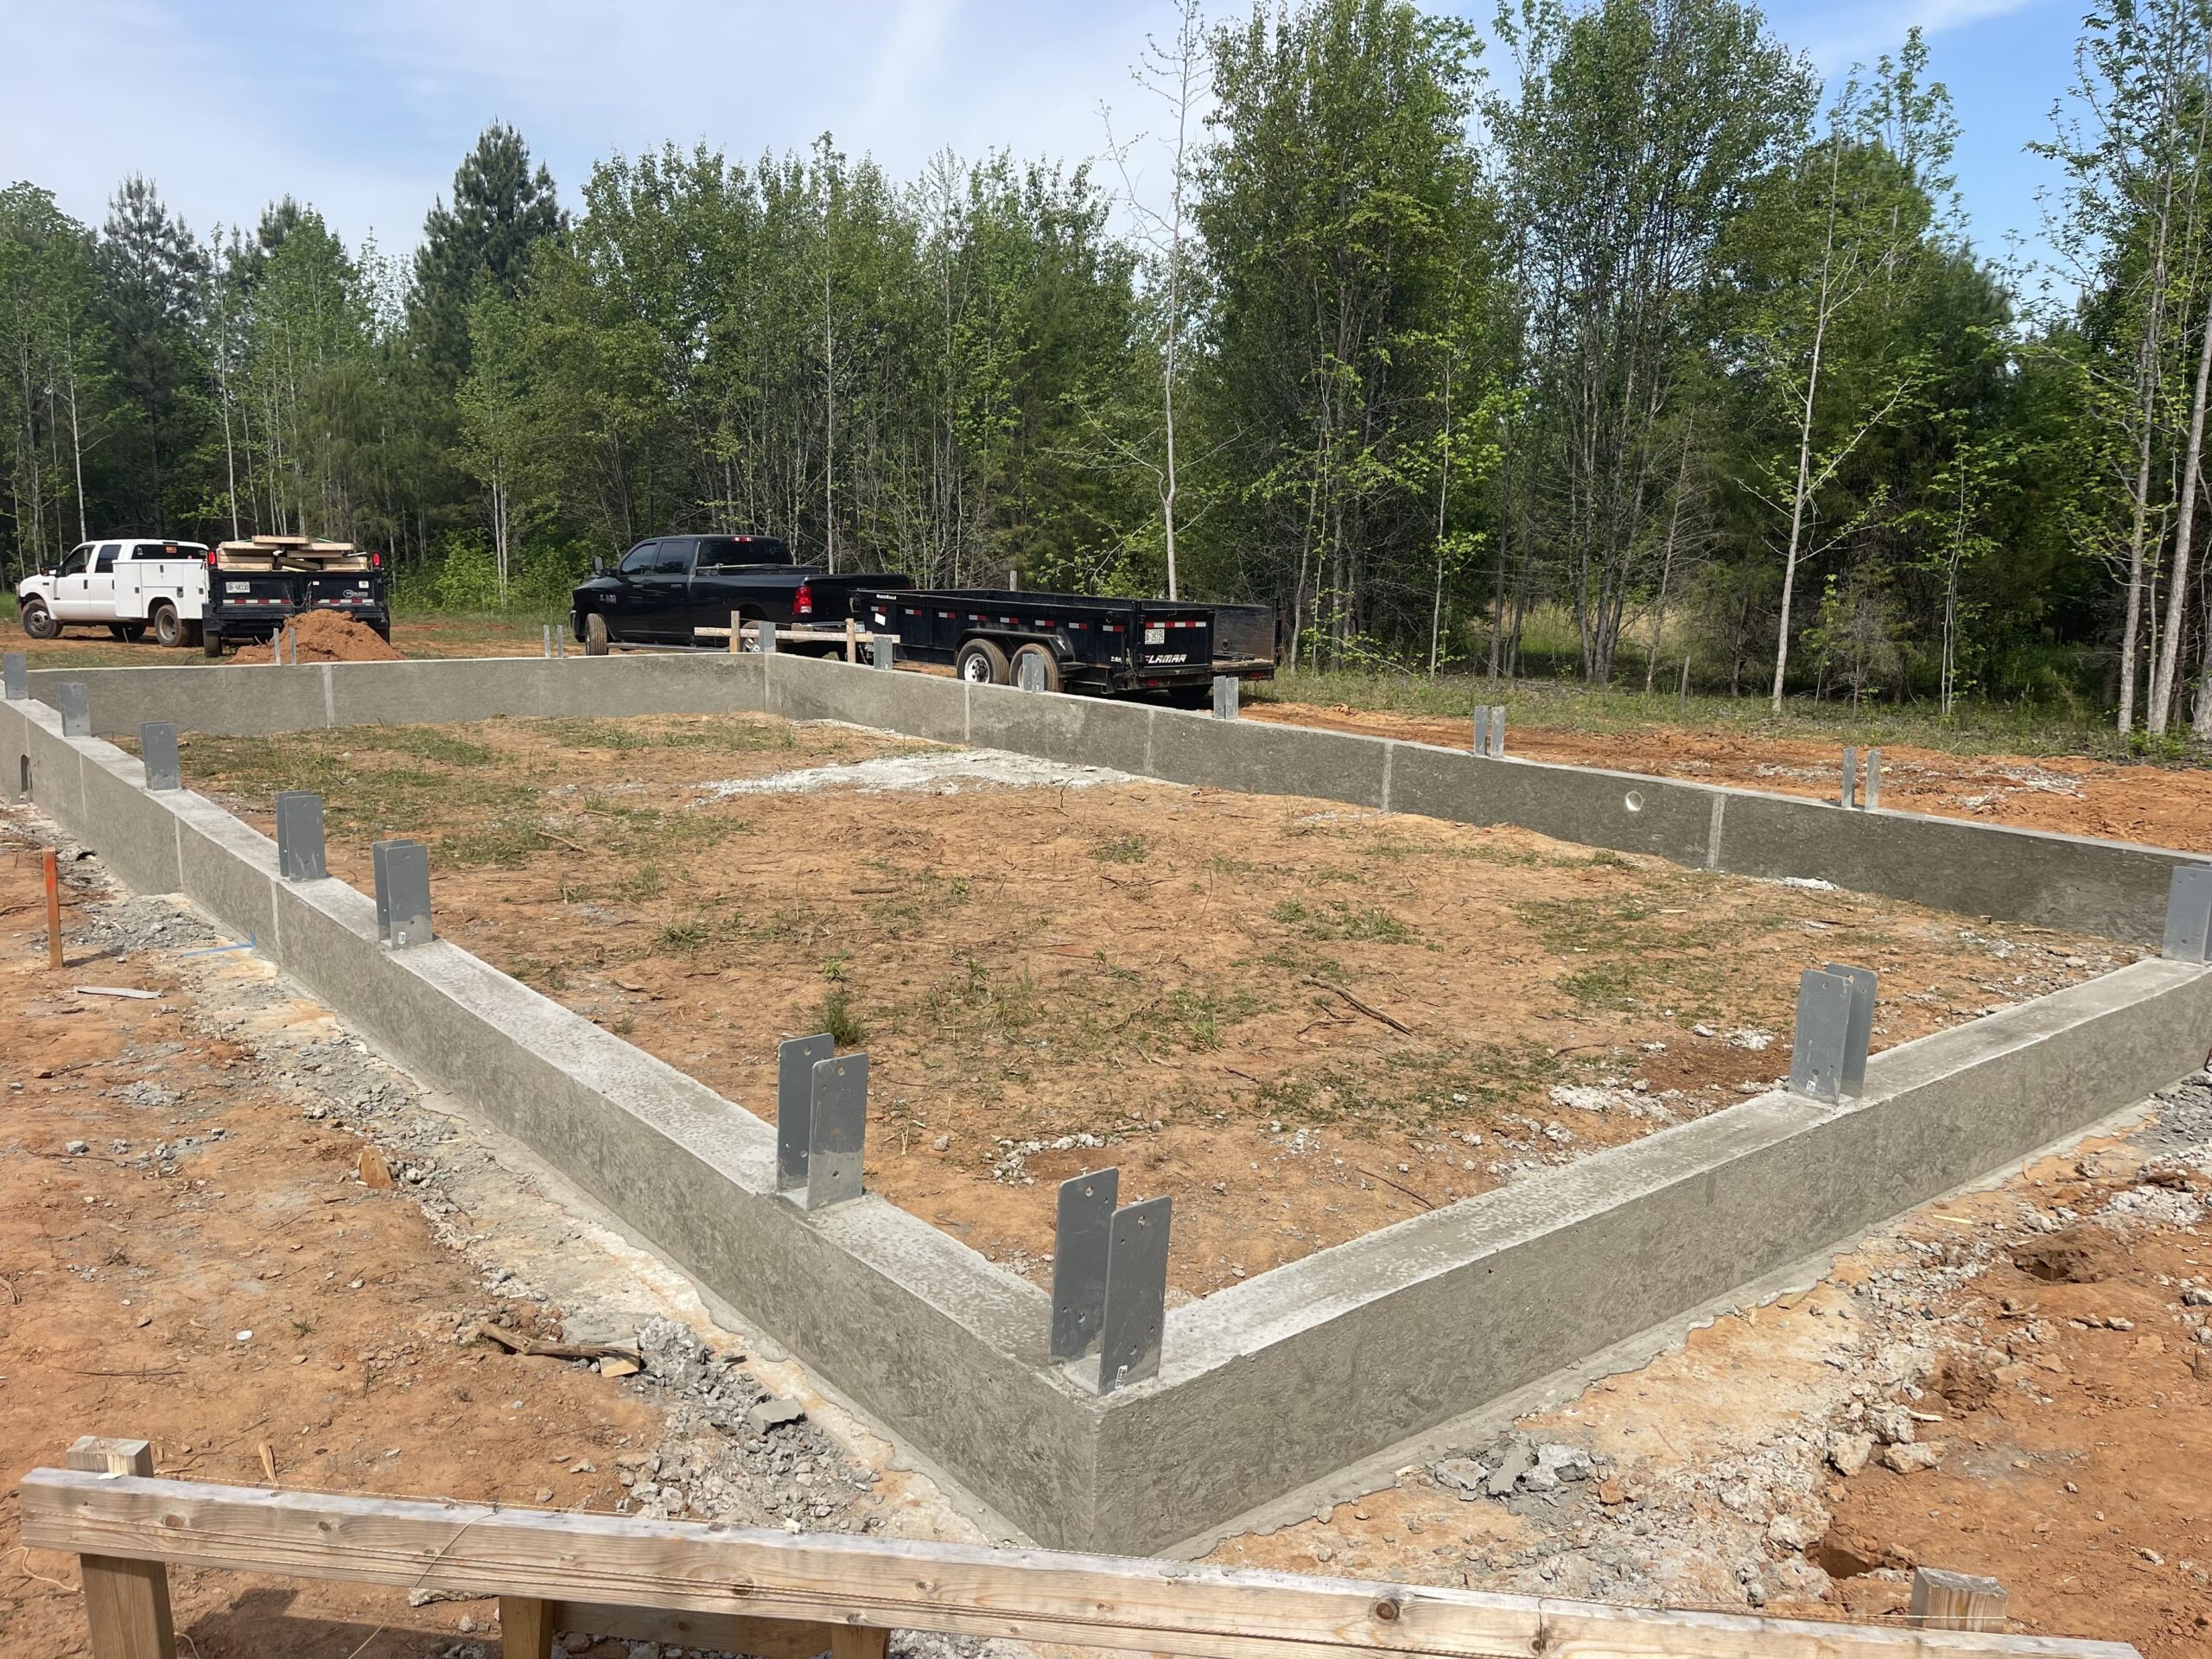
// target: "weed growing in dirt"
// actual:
[[839, 1020], [1129, 849], [683, 935]]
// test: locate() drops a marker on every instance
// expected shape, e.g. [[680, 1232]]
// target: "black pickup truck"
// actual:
[[665, 588]]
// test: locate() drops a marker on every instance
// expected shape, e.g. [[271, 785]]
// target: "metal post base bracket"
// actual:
[[1822, 1056], [796, 1058], [14, 677], [157, 747], [836, 1121], [886, 649], [1225, 689], [1136, 1295], [2188, 914], [1489, 730], [1859, 1038], [1080, 1243], [76, 709], [299, 835], [403, 880]]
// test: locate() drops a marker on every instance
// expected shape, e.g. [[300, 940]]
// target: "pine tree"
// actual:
[[501, 209], [153, 281]]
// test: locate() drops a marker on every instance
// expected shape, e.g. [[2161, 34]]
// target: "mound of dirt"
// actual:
[[327, 637]]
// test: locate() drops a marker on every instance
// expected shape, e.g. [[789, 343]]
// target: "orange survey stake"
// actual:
[[53, 911]]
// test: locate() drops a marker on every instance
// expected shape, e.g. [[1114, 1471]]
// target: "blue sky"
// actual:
[[364, 111]]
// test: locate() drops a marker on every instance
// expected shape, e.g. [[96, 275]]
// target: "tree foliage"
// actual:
[[1652, 357]]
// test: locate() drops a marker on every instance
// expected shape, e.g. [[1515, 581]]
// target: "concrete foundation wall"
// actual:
[[2112, 888], [1286, 1377]]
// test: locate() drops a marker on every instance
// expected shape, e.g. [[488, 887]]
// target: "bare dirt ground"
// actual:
[[2016, 1383], [411, 636], [2164, 807], [188, 1253], [1304, 1022]]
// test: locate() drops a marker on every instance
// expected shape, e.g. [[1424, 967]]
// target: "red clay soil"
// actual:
[[327, 637], [2161, 806]]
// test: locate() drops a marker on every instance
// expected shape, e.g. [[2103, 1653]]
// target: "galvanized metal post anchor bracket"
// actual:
[[14, 678], [1029, 672], [1489, 730], [795, 1061], [76, 709], [157, 748], [1835, 1023], [764, 634], [1850, 795], [2188, 914], [299, 835], [1080, 1240], [1859, 1038], [885, 647], [403, 883], [1135, 1312], [836, 1121], [1226, 688]]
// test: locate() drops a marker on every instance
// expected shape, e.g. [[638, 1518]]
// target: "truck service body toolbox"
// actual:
[[130, 585], [1108, 647]]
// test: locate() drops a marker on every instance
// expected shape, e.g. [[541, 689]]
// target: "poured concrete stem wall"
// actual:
[[2112, 888], [1284, 1378]]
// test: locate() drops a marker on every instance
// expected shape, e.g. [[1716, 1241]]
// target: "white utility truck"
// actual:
[[128, 587]]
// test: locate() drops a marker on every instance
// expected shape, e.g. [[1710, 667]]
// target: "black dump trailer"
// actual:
[[1106, 647]]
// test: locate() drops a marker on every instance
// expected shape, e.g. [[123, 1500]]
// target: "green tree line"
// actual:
[[1632, 352]]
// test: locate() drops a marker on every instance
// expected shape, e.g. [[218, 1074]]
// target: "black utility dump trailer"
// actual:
[[255, 587], [1108, 647]]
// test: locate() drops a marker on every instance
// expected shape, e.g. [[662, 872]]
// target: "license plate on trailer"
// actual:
[[237, 587], [1156, 634]]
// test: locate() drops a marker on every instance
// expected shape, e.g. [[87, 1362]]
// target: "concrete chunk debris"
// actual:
[[773, 1414]]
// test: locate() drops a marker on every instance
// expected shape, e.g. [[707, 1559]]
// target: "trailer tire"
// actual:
[[595, 640], [39, 622], [168, 628], [211, 640], [1037, 653], [980, 662]]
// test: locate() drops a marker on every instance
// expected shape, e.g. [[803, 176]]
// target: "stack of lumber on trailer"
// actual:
[[292, 553]]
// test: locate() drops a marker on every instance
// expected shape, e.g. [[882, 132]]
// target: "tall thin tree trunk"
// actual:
[[2169, 666]]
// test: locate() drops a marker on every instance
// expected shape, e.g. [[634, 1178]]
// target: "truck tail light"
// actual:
[[376, 561], [803, 601], [215, 558]]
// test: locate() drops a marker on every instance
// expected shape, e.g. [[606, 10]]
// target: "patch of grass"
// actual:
[[839, 1020], [1335, 920], [1129, 849], [733, 733], [683, 935]]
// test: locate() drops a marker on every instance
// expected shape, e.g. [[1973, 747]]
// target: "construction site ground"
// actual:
[[193, 1254], [1304, 1022], [227, 1227]]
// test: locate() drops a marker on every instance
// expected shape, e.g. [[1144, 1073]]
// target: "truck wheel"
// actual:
[[168, 630], [981, 662], [596, 639], [211, 640], [1042, 654], [39, 622]]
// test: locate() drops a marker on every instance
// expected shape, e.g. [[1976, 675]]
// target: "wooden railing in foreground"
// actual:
[[785, 1596]]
